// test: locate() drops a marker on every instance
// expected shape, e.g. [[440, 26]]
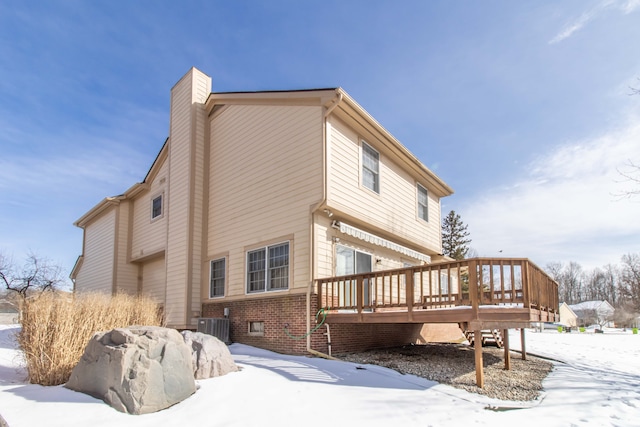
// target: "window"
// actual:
[[423, 203], [349, 261], [218, 273], [256, 328], [156, 207], [370, 168], [268, 268]]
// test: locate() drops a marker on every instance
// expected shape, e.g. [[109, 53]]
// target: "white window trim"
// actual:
[[266, 279], [418, 187], [364, 143], [224, 288], [161, 195]]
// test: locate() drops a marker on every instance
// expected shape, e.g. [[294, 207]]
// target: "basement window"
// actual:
[[256, 328]]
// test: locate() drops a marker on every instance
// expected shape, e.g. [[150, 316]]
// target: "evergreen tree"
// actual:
[[454, 236]]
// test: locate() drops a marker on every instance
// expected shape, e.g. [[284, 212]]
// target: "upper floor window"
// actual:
[[218, 274], [370, 168], [423, 203], [156, 207], [268, 268]]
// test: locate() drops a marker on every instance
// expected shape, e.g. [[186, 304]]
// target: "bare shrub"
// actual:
[[56, 328]]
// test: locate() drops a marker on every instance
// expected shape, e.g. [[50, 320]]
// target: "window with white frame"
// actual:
[[268, 268], [351, 261], [370, 168], [218, 276], [423, 203], [156, 207]]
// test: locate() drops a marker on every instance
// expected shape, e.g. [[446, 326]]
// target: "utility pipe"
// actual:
[[312, 236]]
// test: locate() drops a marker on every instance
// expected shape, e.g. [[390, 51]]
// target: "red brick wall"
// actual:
[[346, 338], [277, 311]]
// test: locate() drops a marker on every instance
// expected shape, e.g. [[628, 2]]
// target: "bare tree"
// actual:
[[630, 173], [37, 274], [570, 280], [630, 280], [635, 90]]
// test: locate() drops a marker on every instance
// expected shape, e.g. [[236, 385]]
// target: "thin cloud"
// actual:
[[579, 23], [630, 6], [564, 203]]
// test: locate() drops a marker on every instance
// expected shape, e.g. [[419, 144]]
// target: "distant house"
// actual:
[[594, 312], [568, 317], [9, 313], [276, 208]]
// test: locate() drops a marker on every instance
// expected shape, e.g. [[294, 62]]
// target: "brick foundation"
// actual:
[[347, 338], [277, 311]]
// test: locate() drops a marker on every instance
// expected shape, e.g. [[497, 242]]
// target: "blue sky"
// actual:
[[522, 107]]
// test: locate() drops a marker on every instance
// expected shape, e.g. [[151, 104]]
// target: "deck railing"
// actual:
[[472, 282]]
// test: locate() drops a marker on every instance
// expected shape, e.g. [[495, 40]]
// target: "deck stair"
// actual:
[[489, 337]]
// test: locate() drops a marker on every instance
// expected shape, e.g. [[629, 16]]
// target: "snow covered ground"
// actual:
[[595, 383]]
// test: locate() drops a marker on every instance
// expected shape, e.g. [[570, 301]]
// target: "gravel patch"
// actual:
[[454, 364]]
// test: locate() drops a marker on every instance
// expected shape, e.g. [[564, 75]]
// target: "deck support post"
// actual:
[[522, 344], [507, 355], [477, 341]]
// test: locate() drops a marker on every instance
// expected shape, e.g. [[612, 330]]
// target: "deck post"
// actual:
[[522, 344], [409, 292], [507, 355], [473, 288], [477, 343], [359, 294]]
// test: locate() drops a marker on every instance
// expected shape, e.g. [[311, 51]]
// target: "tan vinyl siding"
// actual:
[[265, 173], [153, 279], [182, 258], [150, 236], [197, 206], [394, 210], [126, 273], [96, 274], [178, 200], [324, 247]]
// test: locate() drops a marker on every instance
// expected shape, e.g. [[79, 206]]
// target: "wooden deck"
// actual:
[[478, 293]]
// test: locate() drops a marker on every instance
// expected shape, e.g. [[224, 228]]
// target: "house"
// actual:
[[297, 216], [594, 312], [567, 316], [9, 313]]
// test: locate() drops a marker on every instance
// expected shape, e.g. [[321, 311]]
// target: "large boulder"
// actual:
[[210, 356], [137, 370]]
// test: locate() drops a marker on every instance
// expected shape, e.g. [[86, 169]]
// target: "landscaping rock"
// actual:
[[137, 370], [210, 356]]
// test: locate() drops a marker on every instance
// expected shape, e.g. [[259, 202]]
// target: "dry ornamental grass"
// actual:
[[57, 327]]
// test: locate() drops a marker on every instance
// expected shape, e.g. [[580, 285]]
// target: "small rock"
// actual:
[[210, 356]]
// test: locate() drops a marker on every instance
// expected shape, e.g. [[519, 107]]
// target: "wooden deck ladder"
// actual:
[[489, 336]]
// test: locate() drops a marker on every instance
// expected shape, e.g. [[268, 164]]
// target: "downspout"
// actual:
[[312, 252]]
